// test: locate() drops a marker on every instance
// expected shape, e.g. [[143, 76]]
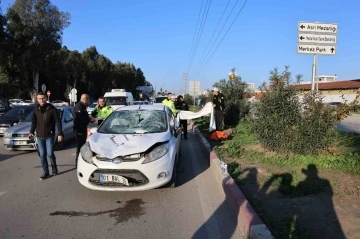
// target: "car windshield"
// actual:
[[93, 105], [135, 122], [29, 117], [118, 100], [160, 99], [17, 112]]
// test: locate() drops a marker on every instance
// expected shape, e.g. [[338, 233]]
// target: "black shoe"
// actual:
[[44, 176], [54, 173]]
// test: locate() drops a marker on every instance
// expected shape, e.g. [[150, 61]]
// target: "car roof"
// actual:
[[66, 107], [143, 107]]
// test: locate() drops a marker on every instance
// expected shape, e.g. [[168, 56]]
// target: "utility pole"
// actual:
[[185, 75]]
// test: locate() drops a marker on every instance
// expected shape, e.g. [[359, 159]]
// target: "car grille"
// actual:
[[128, 158], [25, 135], [135, 177]]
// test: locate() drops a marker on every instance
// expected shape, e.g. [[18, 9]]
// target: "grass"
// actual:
[[244, 153], [244, 145]]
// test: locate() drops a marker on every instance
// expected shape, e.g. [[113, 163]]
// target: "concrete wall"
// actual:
[[344, 96]]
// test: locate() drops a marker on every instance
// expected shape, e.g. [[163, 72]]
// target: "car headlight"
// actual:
[[156, 153], [14, 124], [86, 153], [7, 135]]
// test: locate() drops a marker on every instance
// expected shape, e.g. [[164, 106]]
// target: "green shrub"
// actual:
[[236, 106], [285, 124]]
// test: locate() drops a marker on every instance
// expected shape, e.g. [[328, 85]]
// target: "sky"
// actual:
[[157, 36]]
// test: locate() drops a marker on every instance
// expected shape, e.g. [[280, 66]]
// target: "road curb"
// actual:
[[248, 222]]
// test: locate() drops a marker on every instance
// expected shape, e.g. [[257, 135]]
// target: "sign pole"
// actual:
[[313, 75]]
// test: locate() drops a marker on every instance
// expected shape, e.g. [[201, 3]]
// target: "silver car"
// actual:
[[16, 137], [91, 107]]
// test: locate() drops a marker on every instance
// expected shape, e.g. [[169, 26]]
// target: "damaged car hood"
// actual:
[[114, 145]]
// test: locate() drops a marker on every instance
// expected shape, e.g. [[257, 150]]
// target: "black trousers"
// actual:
[[81, 140], [219, 117], [183, 123]]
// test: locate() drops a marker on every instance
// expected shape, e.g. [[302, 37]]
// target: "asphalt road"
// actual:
[[60, 207], [350, 124]]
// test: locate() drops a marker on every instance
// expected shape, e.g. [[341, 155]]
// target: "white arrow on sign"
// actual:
[[317, 39], [316, 49], [318, 27]]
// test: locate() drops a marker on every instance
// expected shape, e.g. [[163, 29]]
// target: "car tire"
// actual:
[[63, 105]]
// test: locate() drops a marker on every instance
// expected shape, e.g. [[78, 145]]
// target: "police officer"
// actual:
[[81, 122], [101, 111], [170, 103], [219, 107], [182, 105]]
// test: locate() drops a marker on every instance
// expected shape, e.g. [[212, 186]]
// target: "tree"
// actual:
[[34, 30], [235, 102]]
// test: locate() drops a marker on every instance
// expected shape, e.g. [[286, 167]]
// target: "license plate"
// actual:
[[113, 178], [18, 142]]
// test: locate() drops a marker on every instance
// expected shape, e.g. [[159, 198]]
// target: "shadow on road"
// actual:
[[185, 169], [304, 210], [11, 154]]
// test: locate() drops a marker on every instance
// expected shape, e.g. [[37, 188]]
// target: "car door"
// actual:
[[68, 124]]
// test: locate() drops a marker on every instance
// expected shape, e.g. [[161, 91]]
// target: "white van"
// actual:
[[159, 99], [118, 98]]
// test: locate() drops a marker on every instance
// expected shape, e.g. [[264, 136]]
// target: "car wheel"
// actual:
[[63, 105]]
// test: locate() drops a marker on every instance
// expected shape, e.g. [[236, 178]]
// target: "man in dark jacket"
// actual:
[[81, 122], [219, 107], [182, 105], [45, 117]]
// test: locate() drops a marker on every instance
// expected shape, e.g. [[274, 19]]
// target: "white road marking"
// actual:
[[2, 193]]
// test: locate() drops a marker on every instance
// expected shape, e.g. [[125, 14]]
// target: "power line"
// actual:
[[223, 37], [203, 60], [192, 44], [213, 34], [196, 30], [200, 33]]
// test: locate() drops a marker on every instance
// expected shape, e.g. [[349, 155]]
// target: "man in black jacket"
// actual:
[[81, 122], [219, 107], [45, 117], [182, 105]]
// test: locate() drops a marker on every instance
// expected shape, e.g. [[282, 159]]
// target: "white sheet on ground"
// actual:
[[206, 110]]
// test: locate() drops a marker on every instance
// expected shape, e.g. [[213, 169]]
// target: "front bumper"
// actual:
[[140, 176], [18, 143]]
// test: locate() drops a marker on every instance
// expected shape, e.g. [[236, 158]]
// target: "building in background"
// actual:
[[332, 90]]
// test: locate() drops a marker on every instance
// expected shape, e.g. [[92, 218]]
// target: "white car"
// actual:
[[59, 103], [136, 148], [142, 102]]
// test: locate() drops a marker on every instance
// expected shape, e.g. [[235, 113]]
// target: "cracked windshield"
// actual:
[[135, 122]]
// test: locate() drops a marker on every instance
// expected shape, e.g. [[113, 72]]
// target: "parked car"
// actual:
[[13, 116], [59, 103], [91, 107], [16, 137], [15, 102], [135, 148], [26, 103]]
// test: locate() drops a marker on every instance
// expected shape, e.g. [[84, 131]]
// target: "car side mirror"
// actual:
[[179, 130], [68, 120]]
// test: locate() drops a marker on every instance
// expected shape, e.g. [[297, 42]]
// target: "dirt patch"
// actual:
[[301, 202]]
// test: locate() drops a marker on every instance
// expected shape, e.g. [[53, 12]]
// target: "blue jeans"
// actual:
[[46, 148]]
